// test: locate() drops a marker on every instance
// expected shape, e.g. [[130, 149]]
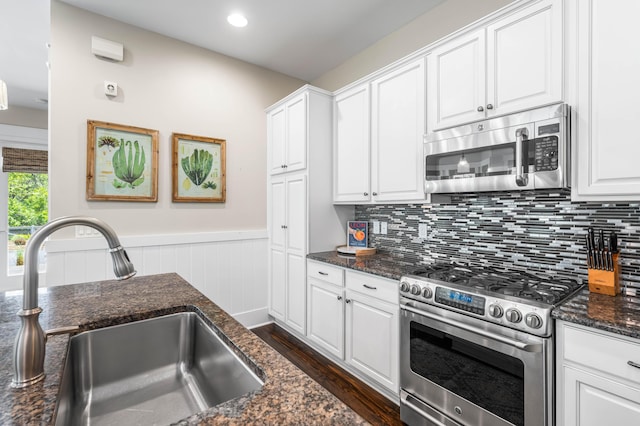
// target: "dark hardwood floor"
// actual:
[[372, 406]]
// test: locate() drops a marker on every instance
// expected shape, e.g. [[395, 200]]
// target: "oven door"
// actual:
[[455, 370]]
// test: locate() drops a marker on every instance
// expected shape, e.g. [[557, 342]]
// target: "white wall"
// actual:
[[169, 86], [165, 85], [439, 22]]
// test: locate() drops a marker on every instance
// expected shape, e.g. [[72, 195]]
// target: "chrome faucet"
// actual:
[[29, 348]]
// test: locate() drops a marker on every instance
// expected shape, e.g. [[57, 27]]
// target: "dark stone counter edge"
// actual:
[[380, 263], [618, 315]]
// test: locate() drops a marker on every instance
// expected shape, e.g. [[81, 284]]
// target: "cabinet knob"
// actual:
[[480, 108], [348, 300], [374, 194], [489, 106], [339, 297], [366, 194], [282, 166], [285, 166]]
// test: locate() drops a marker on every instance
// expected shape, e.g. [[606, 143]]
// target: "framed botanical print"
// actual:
[[199, 173], [122, 162]]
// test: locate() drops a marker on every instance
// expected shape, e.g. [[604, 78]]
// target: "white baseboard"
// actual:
[[254, 318]]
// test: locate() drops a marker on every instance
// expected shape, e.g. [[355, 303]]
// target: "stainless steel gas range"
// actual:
[[476, 346]]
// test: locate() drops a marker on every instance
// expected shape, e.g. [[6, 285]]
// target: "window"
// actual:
[[24, 184], [26, 212]]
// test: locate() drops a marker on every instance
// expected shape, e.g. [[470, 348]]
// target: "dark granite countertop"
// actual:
[[380, 263], [288, 397], [619, 314]]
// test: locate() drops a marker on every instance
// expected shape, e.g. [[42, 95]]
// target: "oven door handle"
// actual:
[[447, 422], [527, 347]]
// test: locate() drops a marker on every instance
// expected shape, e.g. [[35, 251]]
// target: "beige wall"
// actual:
[[444, 19], [26, 117], [165, 85]]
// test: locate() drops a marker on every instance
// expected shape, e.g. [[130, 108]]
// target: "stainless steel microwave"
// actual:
[[526, 150]]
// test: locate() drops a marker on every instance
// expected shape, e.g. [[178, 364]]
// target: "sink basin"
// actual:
[[154, 371]]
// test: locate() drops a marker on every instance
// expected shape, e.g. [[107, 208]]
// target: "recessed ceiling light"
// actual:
[[237, 20]]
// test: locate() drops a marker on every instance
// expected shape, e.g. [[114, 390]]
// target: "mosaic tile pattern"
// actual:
[[538, 231]]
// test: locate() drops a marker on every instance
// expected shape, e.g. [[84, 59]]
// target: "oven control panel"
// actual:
[[460, 300], [530, 318]]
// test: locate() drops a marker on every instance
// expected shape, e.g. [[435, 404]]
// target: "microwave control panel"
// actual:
[[545, 153]]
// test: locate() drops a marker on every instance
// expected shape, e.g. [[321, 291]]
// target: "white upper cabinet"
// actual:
[[603, 74], [351, 159], [287, 127], [398, 127], [456, 74], [379, 128], [512, 64]]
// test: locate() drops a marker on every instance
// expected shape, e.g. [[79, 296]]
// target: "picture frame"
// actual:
[[199, 169], [122, 162]]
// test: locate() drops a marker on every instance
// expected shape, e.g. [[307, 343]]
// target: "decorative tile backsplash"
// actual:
[[537, 231]]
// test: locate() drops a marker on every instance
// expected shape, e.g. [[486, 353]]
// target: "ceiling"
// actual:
[[303, 39]]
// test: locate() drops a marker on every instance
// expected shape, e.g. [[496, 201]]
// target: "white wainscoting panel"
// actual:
[[230, 268]]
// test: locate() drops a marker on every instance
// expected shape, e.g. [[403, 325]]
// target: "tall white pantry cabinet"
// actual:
[[300, 215]]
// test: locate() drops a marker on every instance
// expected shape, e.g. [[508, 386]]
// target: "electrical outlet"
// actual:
[[422, 230], [383, 228], [376, 227], [86, 232]]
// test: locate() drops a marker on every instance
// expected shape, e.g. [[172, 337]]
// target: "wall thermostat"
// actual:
[[110, 88]]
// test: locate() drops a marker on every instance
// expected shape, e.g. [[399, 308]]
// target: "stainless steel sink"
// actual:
[[155, 371]]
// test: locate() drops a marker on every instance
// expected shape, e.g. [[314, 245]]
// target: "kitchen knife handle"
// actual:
[[589, 262]]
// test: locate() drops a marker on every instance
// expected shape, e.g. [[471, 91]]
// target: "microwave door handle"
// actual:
[[522, 178]]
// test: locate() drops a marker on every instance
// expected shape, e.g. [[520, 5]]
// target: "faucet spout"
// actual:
[[29, 348]]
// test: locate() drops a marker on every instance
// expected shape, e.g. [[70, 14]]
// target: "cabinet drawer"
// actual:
[[325, 272], [371, 285], [605, 352]]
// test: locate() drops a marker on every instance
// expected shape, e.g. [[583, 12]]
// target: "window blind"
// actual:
[[24, 160]]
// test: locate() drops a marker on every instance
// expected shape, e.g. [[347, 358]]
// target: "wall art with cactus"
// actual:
[[198, 169], [122, 162]]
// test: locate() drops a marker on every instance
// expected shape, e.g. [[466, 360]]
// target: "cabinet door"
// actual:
[[372, 338], [277, 217], [606, 107], [456, 81], [296, 211], [326, 316], [593, 400], [296, 292], [398, 127], [351, 145], [277, 140], [524, 51], [296, 152], [277, 283]]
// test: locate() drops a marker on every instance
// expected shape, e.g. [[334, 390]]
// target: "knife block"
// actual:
[[605, 282]]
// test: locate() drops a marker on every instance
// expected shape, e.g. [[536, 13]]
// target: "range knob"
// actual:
[[533, 320], [427, 293], [513, 315], [415, 289], [495, 310], [404, 286]]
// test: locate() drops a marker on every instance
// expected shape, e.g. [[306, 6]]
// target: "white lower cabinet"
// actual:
[[372, 338], [353, 317], [596, 384]]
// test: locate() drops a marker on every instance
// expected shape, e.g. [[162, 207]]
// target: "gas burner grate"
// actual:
[[521, 284]]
